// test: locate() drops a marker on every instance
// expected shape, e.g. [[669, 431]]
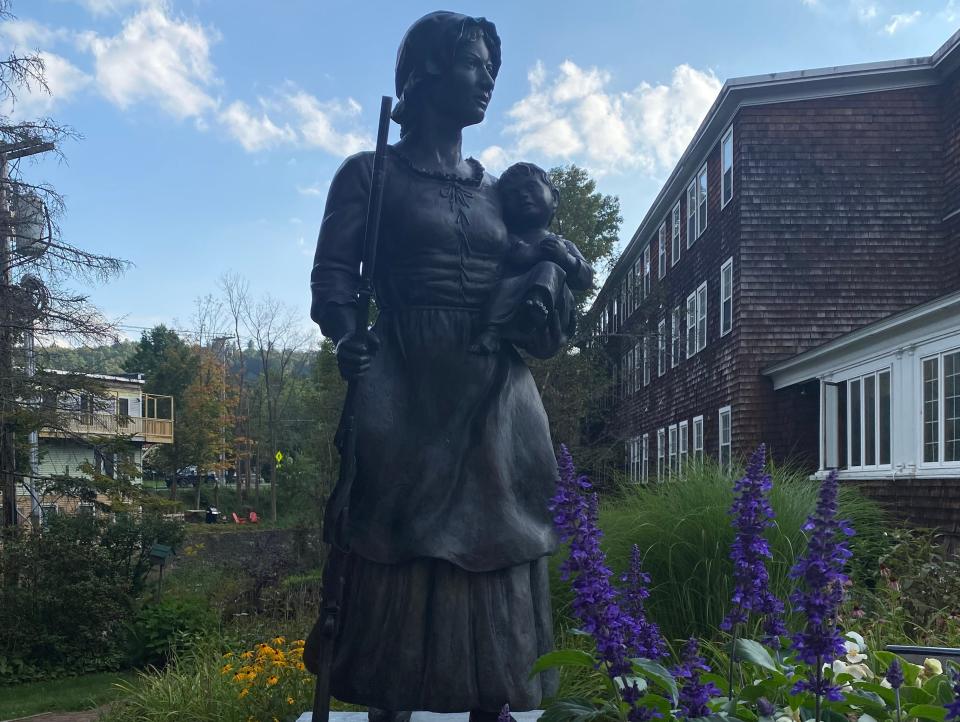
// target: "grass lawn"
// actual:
[[61, 695]]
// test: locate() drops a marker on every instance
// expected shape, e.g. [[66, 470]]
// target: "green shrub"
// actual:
[[66, 594], [684, 532], [161, 630]]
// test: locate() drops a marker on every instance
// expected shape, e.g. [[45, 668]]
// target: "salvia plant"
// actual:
[[815, 672]]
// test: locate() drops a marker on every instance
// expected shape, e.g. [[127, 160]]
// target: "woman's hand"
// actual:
[[355, 352]]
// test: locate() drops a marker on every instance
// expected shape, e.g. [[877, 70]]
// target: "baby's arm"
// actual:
[[522, 255], [566, 255]]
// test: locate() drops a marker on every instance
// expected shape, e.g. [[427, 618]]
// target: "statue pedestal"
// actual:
[[531, 716]]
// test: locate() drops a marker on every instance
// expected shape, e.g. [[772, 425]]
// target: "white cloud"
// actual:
[[63, 79], [254, 132], [317, 190], [110, 7], [315, 122], [951, 13], [494, 159], [156, 58], [28, 35], [576, 116], [900, 21], [866, 12]]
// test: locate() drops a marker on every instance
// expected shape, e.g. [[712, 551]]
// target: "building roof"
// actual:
[[931, 319], [753, 90], [132, 378]]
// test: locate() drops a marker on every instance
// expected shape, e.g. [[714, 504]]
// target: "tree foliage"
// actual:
[[585, 216]]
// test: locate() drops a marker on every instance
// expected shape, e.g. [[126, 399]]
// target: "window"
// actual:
[[698, 438], [637, 361], [645, 467], [868, 408], [702, 200], [637, 275], [635, 460], [48, 511], [662, 249], [616, 313], [661, 442], [697, 320], [646, 361], [726, 167], [86, 509], [646, 271], [702, 317], [672, 442], [726, 297], [941, 408], [724, 455], [675, 235], [691, 213], [675, 337], [627, 379], [662, 347], [682, 445]]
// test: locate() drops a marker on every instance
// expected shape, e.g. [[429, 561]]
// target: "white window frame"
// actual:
[[702, 317], [703, 191], [725, 443], [683, 444], [675, 235], [726, 140], [646, 361], [661, 451], [691, 196], [698, 438], [726, 295], [662, 347], [676, 338], [646, 271], [634, 460], [941, 462], [645, 463], [662, 250], [697, 320], [861, 414], [672, 449]]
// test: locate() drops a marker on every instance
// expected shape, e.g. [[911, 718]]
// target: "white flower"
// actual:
[[932, 667], [853, 654]]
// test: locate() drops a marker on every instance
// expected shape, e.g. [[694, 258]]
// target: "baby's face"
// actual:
[[528, 203]]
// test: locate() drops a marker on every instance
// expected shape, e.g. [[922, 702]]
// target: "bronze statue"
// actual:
[[446, 595]]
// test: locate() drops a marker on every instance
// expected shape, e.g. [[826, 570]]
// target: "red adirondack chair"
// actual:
[[254, 518], [238, 520]]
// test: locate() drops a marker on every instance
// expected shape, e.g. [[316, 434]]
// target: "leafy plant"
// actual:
[[161, 630]]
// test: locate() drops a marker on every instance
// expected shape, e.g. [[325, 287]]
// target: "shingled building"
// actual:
[[797, 281]]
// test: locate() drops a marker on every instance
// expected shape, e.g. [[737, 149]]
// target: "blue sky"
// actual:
[[211, 128]]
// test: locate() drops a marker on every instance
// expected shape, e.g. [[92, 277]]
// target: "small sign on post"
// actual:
[[279, 457], [158, 555]]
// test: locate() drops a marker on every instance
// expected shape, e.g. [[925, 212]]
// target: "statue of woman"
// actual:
[[447, 602]]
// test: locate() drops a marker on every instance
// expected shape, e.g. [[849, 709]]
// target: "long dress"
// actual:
[[447, 600]]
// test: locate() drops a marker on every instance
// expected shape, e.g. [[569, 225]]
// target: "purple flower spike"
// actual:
[[750, 550], [693, 694], [643, 636], [616, 622], [595, 600], [953, 708], [504, 715], [821, 589], [895, 674]]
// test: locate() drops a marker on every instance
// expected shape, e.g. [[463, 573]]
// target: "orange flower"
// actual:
[[272, 680], [290, 700], [244, 692]]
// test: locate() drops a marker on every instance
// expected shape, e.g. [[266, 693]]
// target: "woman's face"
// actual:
[[463, 92]]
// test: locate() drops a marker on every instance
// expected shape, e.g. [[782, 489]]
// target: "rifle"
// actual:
[[334, 521]]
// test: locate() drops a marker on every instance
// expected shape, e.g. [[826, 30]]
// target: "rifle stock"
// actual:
[[327, 628]]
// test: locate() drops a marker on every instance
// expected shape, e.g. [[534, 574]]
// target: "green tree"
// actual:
[[585, 216]]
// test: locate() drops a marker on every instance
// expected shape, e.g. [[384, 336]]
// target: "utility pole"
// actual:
[[8, 391]]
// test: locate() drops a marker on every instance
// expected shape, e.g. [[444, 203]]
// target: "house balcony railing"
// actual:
[[150, 428]]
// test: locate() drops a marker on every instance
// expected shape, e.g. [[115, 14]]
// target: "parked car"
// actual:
[[187, 476]]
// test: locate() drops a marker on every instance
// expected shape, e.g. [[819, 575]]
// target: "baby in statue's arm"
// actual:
[[538, 271]]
